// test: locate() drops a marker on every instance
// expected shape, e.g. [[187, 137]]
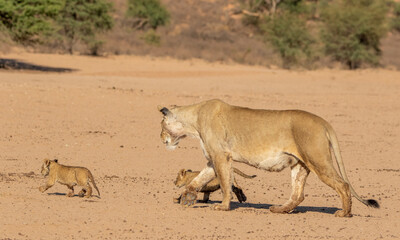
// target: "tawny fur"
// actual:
[[69, 176], [186, 176], [267, 139]]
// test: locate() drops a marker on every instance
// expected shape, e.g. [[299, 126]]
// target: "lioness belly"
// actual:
[[273, 161]]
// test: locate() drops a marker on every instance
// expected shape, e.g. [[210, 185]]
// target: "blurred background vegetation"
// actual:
[[285, 33]]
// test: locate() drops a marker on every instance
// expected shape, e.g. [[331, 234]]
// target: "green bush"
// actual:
[[353, 29], [82, 20], [288, 34], [149, 12], [396, 18], [28, 21]]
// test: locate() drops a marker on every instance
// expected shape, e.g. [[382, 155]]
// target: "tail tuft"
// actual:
[[372, 203]]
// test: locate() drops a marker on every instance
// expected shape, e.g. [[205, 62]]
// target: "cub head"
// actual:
[[171, 130], [181, 179], [45, 170]]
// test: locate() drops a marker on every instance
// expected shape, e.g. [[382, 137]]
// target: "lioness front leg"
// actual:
[[299, 175], [223, 168], [189, 195]]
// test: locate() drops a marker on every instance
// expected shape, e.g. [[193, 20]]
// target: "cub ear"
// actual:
[[55, 160], [182, 172], [46, 162], [189, 170]]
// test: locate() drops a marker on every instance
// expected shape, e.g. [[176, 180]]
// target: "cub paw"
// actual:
[[81, 193], [188, 198]]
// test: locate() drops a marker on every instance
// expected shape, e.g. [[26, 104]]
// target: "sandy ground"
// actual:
[[104, 116]]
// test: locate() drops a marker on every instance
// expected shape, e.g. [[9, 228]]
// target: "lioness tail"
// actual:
[[335, 147]]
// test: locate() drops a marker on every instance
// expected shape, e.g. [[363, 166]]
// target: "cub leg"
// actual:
[[178, 199], [223, 168], [88, 190], [189, 195], [71, 192], [239, 193], [50, 182], [206, 197], [82, 192], [299, 175]]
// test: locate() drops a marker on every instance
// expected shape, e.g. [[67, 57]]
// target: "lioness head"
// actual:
[[46, 166], [171, 130], [181, 179]]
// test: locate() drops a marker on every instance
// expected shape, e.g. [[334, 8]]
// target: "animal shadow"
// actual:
[[299, 209], [19, 65], [64, 194]]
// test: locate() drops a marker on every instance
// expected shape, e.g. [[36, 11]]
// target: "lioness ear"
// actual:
[[55, 160], [182, 172], [164, 111]]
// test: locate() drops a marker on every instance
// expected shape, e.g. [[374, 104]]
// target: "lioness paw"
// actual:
[[341, 213], [280, 209], [41, 189], [220, 207], [188, 198]]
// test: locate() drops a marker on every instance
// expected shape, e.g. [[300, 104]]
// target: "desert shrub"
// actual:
[[288, 34], [148, 12], [352, 31], [28, 21], [151, 38], [82, 20], [396, 18], [295, 6]]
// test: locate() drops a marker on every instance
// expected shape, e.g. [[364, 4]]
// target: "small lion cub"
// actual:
[[69, 176], [186, 176]]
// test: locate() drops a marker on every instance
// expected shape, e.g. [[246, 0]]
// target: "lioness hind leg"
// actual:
[[299, 175], [332, 179]]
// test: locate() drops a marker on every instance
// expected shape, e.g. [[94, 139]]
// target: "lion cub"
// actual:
[[186, 176], [70, 176]]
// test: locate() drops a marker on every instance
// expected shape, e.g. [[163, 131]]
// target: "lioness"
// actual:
[[266, 139], [186, 176], [70, 176]]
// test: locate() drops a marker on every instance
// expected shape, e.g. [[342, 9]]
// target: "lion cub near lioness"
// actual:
[[69, 176], [186, 176]]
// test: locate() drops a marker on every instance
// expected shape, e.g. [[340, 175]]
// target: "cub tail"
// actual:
[[93, 183], [237, 171]]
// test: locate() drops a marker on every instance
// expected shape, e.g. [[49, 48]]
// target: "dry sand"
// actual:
[[104, 116]]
